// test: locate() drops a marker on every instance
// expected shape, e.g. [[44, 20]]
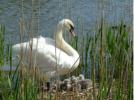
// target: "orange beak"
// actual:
[[72, 33]]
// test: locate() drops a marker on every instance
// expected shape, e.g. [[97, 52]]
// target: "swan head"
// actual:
[[68, 25]]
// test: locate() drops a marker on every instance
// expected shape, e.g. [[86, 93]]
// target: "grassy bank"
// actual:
[[106, 58]]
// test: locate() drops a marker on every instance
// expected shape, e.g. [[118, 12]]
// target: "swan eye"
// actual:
[[71, 27]]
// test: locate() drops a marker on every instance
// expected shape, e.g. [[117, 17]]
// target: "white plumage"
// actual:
[[48, 53]]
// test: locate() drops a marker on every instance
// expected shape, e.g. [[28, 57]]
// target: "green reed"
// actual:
[[109, 56], [2, 33]]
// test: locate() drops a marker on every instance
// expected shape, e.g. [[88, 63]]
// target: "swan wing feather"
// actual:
[[45, 54]]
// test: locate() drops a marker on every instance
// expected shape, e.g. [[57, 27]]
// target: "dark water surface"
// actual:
[[86, 13]]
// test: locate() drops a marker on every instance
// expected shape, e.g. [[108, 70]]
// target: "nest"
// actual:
[[70, 88]]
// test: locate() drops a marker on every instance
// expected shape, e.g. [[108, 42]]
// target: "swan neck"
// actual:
[[63, 45]]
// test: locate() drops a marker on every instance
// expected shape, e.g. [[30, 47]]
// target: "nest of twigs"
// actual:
[[72, 88]]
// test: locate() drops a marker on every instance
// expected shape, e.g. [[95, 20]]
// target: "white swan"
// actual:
[[51, 53]]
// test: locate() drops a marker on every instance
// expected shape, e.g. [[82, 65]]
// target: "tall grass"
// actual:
[[106, 58], [109, 57]]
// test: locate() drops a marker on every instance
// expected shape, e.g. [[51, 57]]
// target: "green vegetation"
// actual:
[[106, 58], [108, 55]]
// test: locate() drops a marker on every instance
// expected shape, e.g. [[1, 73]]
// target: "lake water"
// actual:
[[86, 13]]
